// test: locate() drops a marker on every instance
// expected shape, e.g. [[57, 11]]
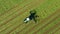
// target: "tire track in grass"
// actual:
[[15, 28], [56, 31], [15, 16], [7, 11], [44, 20]]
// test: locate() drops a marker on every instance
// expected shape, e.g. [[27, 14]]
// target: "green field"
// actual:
[[13, 12]]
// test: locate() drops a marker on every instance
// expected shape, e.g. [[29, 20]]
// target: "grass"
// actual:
[[12, 14]]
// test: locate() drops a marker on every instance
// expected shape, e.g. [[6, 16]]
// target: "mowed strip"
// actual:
[[43, 21]]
